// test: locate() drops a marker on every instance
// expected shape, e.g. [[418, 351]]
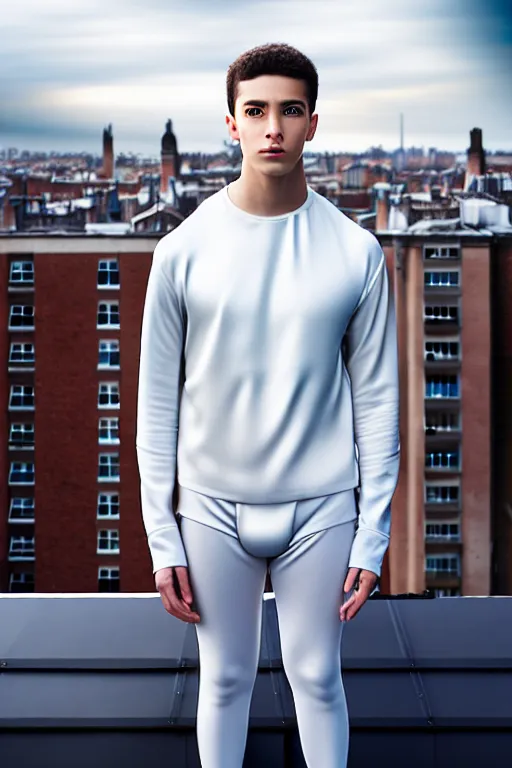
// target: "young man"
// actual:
[[269, 335]]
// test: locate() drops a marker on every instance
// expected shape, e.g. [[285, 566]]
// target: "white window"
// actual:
[[442, 459], [108, 395], [21, 582], [447, 592], [441, 421], [442, 531], [22, 509], [442, 386], [441, 252], [22, 548], [437, 350], [21, 398], [108, 355], [108, 273], [447, 492], [108, 431], [441, 314], [108, 467], [21, 273], [108, 505], [442, 278], [443, 564], [108, 542], [108, 579], [22, 473], [108, 314], [21, 317], [22, 353]]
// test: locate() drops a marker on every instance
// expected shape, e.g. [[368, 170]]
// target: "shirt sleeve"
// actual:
[[372, 363], [158, 413]]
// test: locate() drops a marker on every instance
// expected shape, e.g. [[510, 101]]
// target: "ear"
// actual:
[[312, 127], [232, 129]]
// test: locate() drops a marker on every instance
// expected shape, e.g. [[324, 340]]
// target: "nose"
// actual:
[[274, 131]]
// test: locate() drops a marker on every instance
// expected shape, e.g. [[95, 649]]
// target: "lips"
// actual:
[[272, 151]]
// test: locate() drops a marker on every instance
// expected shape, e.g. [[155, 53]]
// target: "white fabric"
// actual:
[[268, 353], [227, 584]]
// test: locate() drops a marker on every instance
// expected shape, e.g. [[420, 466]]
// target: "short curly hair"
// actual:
[[272, 59]]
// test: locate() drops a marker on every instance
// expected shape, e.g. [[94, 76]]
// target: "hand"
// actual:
[[367, 581], [174, 603]]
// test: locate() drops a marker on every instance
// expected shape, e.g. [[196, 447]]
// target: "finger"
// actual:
[[183, 581], [177, 608], [173, 604], [353, 606], [346, 605], [350, 611], [351, 578]]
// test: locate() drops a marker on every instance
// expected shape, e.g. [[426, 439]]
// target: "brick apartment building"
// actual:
[[70, 318]]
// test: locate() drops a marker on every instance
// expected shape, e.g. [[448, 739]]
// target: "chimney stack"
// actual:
[[476, 157], [108, 153]]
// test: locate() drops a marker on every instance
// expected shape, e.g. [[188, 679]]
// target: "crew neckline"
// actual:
[[255, 217]]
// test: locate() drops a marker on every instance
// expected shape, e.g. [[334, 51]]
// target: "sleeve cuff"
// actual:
[[166, 548], [368, 550]]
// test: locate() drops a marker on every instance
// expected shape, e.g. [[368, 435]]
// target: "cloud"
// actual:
[[80, 66]]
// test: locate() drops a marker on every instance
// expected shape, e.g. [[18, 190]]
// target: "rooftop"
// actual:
[[112, 679]]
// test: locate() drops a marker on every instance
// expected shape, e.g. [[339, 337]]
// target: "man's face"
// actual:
[[272, 111]]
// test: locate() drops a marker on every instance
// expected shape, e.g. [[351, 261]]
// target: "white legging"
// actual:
[[227, 584]]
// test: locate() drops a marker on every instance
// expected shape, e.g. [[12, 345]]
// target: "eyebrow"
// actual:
[[287, 103]]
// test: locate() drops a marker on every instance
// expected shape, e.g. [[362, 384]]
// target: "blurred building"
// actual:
[[73, 279], [69, 509]]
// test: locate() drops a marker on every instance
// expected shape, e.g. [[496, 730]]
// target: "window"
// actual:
[[442, 459], [22, 548], [442, 386], [108, 579], [21, 436], [439, 350], [442, 531], [441, 252], [447, 592], [108, 468], [21, 317], [108, 505], [442, 278], [441, 314], [22, 473], [108, 431], [21, 582], [22, 353], [108, 273], [108, 356], [443, 564], [108, 395], [108, 314], [442, 421], [438, 493], [108, 542], [21, 398], [22, 509], [21, 273]]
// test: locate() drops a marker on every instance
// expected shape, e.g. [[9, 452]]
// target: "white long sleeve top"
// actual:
[[268, 368]]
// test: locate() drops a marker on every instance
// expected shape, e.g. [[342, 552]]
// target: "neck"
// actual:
[[264, 195]]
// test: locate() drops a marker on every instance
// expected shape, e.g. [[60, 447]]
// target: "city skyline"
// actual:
[[68, 72]]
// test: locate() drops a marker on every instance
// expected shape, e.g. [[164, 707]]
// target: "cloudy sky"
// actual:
[[70, 67]]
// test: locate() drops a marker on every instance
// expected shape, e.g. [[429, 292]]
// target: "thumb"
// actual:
[[351, 579], [182, 576]]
